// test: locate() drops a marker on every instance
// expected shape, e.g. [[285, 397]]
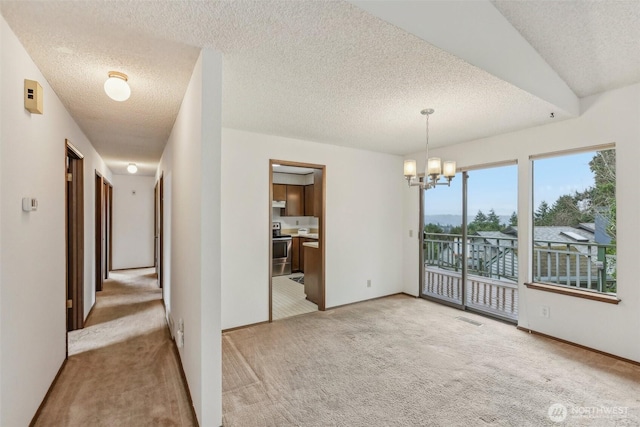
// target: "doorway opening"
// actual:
[[74, 220], [104, 214], [296, 238], [159, 231], [470, 244]]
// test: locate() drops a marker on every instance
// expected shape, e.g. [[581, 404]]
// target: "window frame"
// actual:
[[558, 288]]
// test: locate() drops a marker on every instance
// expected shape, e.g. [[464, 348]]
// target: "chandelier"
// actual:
[[434, 168]]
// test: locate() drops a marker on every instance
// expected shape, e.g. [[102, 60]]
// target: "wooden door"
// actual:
[[110, 233], [156, 208], [74, 199], [100, 231], [106, 228], [161, 233]]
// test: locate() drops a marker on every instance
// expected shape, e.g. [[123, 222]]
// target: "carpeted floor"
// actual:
[[401, 361], [122, 369]]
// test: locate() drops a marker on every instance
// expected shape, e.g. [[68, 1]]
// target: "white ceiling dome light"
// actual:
[[132, 168], [117, 87]]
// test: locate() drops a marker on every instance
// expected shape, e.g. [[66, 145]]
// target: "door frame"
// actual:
[[103, 228], [463, 296], [321, 229], [159, 231], [463, 305], [74, 236]]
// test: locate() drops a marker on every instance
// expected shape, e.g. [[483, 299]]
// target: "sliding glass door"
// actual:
[[469, 250], [443, 245]]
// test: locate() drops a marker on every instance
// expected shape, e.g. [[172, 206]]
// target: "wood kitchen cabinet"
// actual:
[[279, 192], [299, 199], [313, 275], [317, 193], [296, 249], [301, 255], [308, 200], [295, 201]]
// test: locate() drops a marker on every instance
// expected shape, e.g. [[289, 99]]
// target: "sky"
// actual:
[[496, 188]]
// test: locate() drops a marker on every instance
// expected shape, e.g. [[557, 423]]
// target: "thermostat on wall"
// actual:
[[33, 96]]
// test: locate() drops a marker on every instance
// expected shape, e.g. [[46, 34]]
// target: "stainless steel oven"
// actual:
[[281, 251]]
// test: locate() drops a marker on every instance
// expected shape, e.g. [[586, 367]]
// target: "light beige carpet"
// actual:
[[401, 361], [122, 369]]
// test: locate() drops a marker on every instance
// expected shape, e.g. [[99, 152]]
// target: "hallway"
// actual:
[[122, 369]]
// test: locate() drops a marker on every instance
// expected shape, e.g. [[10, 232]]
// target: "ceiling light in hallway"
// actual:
[[132, 168], [116, 86]]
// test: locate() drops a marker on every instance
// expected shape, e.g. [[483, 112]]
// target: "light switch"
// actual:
[[29, 204]]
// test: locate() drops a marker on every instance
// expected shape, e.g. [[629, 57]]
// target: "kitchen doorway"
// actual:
[[296, 238]]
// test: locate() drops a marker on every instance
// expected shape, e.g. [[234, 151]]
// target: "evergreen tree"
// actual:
[[541, 216], [493, 222], [480, 219], [456, 230], [433, 228], [513, 220], [565, 211], [603, 194]]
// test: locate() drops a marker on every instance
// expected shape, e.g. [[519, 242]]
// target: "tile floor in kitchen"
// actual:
[[289, 298]]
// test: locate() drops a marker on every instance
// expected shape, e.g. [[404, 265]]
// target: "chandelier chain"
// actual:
[[426, 158]]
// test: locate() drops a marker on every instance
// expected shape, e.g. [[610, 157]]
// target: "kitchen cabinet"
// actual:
[[301, 255], [313, 274], [299, 199], [295, 201], [297, 253], [308, 200], [279, 192], [317, 193], [296, 248]]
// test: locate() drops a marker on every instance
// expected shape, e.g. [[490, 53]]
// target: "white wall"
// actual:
[[363, 222], [191, 167], [612, 116], [293, 222], [133, 219], [32, 276], [2, 48]]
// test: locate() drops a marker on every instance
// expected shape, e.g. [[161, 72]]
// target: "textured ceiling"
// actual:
[[593, 45], [319, 70]]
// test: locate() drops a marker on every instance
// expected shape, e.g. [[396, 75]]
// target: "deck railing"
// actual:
[[497, 297], [575, 264]]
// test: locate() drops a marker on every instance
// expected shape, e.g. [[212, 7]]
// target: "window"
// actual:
[[574, 232]]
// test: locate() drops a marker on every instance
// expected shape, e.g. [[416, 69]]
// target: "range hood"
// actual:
[[278, 204]]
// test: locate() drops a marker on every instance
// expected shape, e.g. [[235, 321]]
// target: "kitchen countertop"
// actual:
[[311, 244], [307, 235]]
